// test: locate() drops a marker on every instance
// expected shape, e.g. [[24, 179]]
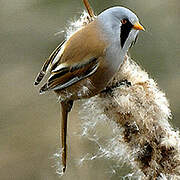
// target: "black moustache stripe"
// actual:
[[125, 30]]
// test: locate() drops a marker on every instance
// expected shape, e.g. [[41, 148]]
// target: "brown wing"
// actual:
[[70, 75], [46, 64], [82, 46], [78, 60]]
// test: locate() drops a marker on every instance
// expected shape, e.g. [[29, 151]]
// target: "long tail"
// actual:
[[65, 108]]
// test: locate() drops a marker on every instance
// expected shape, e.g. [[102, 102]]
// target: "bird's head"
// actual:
[[123, 22]]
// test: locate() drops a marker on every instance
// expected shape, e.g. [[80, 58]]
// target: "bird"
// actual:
[[83, 65]]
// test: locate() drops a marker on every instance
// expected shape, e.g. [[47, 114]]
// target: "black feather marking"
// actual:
[[125, 30], [65, 70], [39, 78], [58, 74], [81, 65], [75, 79], [90, 71], [43, 88], [72, 81], [52, 56], [42, 73]]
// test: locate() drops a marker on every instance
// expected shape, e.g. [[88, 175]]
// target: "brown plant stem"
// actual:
[[89, 9], [141, 111]]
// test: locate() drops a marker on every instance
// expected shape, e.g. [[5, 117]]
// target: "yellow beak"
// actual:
[[138, 26]]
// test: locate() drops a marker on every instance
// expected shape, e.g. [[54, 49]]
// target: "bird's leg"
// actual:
[[109, 89], [65, 109]]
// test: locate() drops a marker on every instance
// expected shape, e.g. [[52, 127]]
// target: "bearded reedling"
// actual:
[[83, 65]]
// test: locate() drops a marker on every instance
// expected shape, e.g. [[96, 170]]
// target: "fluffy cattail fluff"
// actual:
[[134, 114], [137, 114]]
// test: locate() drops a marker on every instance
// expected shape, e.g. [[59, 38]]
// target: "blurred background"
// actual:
[[30, 123]]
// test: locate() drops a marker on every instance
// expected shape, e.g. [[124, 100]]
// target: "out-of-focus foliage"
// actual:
[[29, 123]]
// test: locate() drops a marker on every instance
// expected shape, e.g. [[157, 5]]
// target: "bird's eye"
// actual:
[[123, 21]]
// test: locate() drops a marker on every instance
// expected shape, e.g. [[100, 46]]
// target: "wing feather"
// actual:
[[45, 66], [77, 59], [70, 75]]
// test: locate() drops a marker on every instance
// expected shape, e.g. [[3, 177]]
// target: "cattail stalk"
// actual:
[[89, 9], [137, 113]]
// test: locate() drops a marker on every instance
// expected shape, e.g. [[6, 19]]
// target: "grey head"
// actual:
[[120, 28], [119, 20]]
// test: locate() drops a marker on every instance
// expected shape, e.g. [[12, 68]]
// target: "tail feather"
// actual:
[[66, 108]]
